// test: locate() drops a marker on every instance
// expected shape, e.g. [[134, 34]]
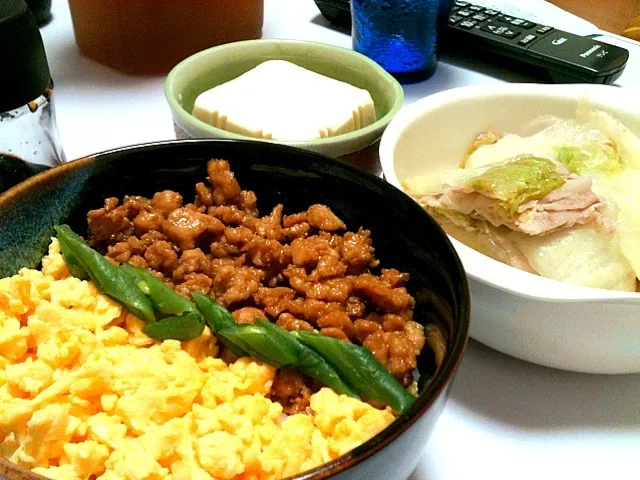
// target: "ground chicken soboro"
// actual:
[[302, 271]]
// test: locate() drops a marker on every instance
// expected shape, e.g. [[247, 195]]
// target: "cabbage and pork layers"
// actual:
[[561, 203]]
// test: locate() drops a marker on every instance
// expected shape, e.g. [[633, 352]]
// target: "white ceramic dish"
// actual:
[[518, 313]]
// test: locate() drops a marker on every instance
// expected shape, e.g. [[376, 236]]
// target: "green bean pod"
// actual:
[[186, 326], [259, 343], [109, 278], [360, 368], [163, 298], [74, 266], [342, 366], [218, 318], [308, 361]]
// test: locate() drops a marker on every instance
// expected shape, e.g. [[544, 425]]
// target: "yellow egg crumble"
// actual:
[[84, 394]]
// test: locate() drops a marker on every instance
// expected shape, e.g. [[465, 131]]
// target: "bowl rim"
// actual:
[[477, 265], [440, 381], [186, 118]]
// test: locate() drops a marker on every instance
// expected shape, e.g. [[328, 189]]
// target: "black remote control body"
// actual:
[[490, 35], [337, 12], [567, 57]]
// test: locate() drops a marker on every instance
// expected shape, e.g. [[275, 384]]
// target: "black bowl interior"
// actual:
[[404, 236]]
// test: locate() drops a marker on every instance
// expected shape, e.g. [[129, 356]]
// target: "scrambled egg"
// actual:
[[84, 394]]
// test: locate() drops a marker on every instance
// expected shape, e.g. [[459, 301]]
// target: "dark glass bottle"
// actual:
[[41, 10], [28, 130]]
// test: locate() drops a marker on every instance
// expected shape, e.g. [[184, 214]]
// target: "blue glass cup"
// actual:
[[400, 35]]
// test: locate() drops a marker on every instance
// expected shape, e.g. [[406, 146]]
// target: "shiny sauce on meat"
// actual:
[[302, 271]]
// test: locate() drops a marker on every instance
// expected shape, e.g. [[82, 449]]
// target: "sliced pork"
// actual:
[[573, 203]]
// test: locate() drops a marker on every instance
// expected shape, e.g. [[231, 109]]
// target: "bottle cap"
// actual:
[[41, 10], [23, 62]]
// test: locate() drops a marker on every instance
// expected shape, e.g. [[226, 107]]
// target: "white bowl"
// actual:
[[533, 318]]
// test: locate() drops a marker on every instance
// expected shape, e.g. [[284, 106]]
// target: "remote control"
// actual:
[[500, 38], [337, 12], [567, 57]]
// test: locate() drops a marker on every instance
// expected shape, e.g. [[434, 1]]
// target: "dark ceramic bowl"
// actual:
[[404, 237]]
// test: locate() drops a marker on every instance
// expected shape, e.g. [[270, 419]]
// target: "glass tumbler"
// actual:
[[149, 37], [400, 35]]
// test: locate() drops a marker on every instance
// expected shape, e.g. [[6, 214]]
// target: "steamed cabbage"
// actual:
[[549, 133], [518, 181], [623, 192], [581, 256], [570, 190], [590, 159], [626, 142]]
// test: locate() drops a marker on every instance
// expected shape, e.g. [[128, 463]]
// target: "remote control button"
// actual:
[[467, 24], [464, 13], [506, 18], [515, 21], [461, 4], [476, 8], [480, 17], [453, 19], [543, 30], [527, 39], [491, 12], [559, 41], [499, 30]]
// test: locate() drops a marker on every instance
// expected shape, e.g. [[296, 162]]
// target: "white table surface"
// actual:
[[505, 419]]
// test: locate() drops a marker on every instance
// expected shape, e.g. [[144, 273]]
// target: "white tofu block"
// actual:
[[279, 100]]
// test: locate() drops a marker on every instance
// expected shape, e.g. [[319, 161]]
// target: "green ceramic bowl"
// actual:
[[217, 65]]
